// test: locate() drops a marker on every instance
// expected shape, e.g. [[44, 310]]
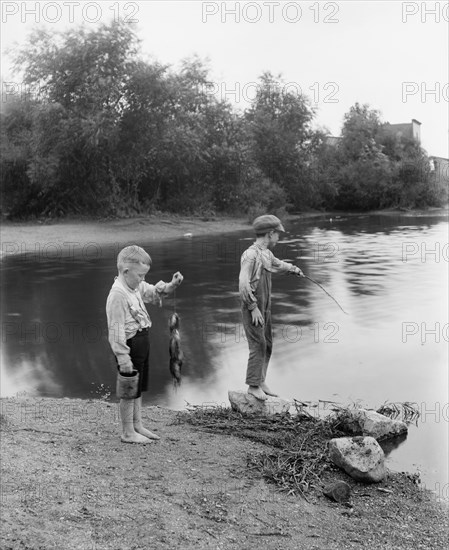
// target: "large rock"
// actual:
[[360, 457], [247, 403], [365, 422]]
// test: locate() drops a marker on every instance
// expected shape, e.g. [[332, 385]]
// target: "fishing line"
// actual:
[[322, 288]]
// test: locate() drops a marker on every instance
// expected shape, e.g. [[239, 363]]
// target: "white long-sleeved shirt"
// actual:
[[126, 314]]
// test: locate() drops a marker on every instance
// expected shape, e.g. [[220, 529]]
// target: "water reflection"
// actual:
[[391, 444], [54, 324]]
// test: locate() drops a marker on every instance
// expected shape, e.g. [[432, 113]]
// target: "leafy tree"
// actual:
[[323, 171], [411, 185], [280, 129], [200, 151], [364, 173], [15, 149], [80, 69], [81, 77], [137, 163], [360, 128]]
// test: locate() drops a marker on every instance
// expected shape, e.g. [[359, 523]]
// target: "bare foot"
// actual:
[[257, 393], [267, 390], [143, 431], [135, 438]]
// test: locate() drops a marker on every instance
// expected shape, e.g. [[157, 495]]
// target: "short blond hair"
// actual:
[[132, 255]]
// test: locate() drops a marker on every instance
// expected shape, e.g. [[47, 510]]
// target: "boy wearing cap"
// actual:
[[128, 325], [256, 265]]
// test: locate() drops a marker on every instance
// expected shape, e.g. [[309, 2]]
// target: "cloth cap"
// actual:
[[266, 223]]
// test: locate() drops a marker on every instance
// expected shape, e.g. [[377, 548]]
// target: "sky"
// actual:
[[392, 55]]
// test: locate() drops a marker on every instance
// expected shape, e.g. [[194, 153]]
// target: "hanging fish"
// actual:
[[176, 355]]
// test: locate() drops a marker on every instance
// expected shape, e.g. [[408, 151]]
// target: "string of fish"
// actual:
[[174, 348]]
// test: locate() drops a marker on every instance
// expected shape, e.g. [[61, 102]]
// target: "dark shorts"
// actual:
[[139, 351]]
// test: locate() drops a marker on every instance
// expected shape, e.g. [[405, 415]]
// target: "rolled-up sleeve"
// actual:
[[279, 266], [153, 294], [116, 312]]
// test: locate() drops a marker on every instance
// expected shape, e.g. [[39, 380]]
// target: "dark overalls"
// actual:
[[260, 338]]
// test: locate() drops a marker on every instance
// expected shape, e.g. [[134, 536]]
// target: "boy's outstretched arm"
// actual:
[[279, 266], [153, 294]]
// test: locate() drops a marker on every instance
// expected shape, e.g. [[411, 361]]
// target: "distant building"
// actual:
[[410, 130]]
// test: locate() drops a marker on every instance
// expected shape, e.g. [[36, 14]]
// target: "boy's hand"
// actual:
[[177, 279], [257, 318], [297, 271], [126, 369]]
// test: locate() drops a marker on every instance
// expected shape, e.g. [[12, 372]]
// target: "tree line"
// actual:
[[106, 132]]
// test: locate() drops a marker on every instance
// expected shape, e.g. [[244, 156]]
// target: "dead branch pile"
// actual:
[[296, 457]]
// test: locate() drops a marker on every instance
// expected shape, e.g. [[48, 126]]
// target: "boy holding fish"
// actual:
[[256, 265], [128, 326]]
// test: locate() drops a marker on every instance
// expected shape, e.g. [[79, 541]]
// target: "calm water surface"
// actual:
[[390, 274]]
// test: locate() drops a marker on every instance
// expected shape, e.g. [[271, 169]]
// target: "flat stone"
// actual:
[[360, 457], [372, 423], [246, 403]]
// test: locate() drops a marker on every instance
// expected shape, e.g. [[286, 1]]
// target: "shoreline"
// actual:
[[71, 235], [66, 237], [69, 482]]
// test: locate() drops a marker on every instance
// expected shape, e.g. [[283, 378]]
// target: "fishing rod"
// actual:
[[322, 288]]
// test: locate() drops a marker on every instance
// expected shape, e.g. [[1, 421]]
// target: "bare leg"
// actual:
[[268, 350], [137, 420], [129, 435]]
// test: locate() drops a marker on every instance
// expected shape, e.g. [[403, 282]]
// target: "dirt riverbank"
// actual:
[[68, 482], [72, 235]]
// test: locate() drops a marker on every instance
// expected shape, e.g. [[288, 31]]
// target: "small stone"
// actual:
[[338, 491], [246, 403]]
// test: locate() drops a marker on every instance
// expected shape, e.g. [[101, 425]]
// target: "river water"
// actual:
[[389, 273]]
